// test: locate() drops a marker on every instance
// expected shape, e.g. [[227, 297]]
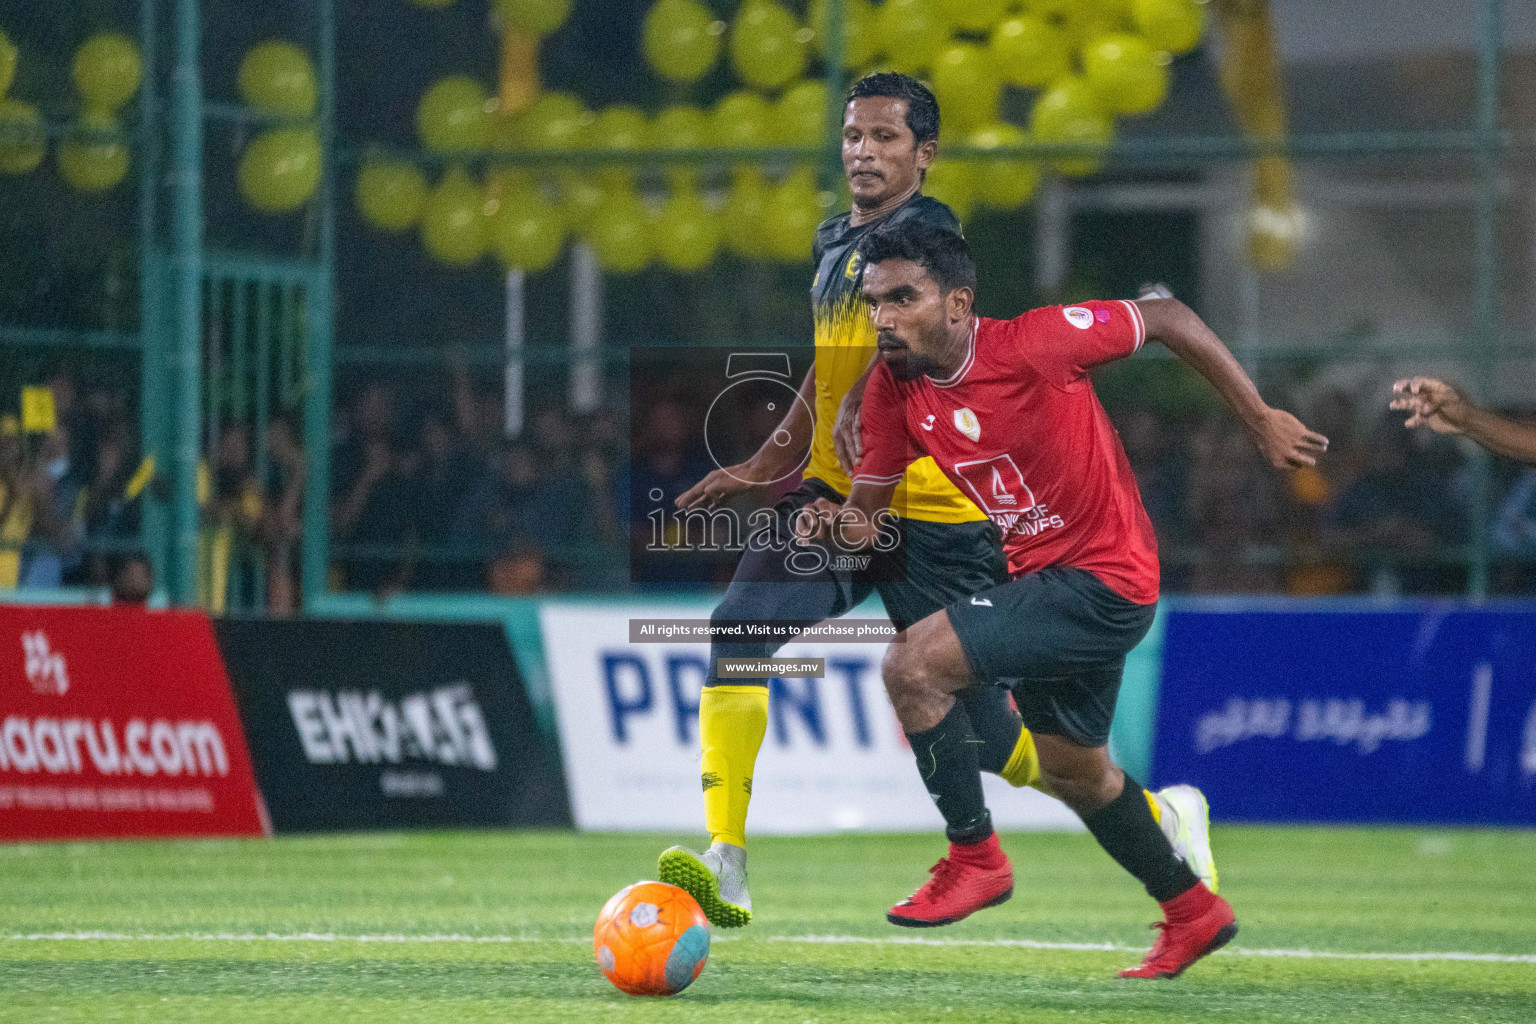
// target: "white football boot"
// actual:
[[1186, 821], [716, 878]]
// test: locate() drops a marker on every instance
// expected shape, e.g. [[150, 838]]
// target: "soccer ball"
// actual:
[[651, 939]]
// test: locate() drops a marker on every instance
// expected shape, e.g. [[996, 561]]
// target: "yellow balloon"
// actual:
[[1062, 10], [767, 47], [952, 182], [556, 120], [1071, 112], [580, 197], [7, 63], [800, 116], [453, 226], [746, 205], [686, 233], [911, 34], [621, 127], [276, 77], [453, 115], [1129, 76], [790, 218], [94, 156], [23, 139], [536, 17], [1003, 184], [742, 120], [620, 233], [681, 39], [974, 15], [107, 70], [390, 195], [681, 128], [528, 231], [280, 169], [1172, 25], [1030, 52], [861, 38], [966, 84]]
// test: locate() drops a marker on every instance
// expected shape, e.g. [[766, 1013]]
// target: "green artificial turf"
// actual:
[[175, 922]]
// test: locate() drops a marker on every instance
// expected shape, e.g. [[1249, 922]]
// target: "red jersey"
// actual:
[[1019, 431]]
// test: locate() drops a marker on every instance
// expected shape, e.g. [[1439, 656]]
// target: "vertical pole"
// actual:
[[586, 329], [187, 247], [153, 398], [1486, 310], [512, 402], [1053, 240], [319, 334], [837, 86]]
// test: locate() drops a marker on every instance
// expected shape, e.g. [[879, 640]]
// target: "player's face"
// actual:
[[910, 313], [881, 157]]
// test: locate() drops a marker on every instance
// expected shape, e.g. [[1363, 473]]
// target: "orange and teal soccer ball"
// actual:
[[651, 939]]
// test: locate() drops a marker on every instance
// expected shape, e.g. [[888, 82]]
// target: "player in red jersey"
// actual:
[[1006, 410]]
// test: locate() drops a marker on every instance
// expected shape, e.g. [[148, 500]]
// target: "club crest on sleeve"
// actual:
[[967, 423], [1078, 317]]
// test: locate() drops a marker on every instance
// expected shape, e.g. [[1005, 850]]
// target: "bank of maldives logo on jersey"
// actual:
[[967, 423], [1078, 317], [996, 485]]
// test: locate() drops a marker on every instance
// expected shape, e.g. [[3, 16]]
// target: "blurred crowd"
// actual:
[[428, 493]]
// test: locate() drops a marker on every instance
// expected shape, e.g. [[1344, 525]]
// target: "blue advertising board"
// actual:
[[1420, 712]]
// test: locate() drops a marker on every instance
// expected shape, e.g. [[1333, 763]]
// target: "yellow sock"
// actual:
[[1023, 767], [732, 721], [1157, 808]]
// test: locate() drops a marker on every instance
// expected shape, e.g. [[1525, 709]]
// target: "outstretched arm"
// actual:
[[780, 453], [1283, 439], [1445, 410]]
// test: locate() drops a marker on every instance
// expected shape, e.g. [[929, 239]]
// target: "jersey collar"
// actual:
[[970, 357]]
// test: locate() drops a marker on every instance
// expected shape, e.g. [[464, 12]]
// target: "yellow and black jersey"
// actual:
[[845, 343]]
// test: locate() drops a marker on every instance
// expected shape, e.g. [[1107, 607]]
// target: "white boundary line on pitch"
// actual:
[[860, 940]]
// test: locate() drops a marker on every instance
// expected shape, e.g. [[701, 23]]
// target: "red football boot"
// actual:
[[970, 878], [1196, 923]]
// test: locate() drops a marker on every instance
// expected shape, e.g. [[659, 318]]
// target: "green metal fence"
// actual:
[[228, 338]]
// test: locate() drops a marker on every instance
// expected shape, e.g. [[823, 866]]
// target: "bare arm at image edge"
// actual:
[[1444, 409]]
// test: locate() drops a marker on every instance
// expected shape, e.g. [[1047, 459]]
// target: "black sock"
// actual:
[[946, 759], [995, 722], [1128, 832]]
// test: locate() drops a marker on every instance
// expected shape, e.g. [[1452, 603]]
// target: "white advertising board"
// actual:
[[834, 758]]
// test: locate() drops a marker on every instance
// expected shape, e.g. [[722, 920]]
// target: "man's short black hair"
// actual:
[[922, 108], [940, 251]]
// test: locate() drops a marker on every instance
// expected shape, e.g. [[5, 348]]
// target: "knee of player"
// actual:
[[902, 671]]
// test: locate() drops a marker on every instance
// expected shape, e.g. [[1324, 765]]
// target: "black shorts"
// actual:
[[935, 564], [1062, 635]]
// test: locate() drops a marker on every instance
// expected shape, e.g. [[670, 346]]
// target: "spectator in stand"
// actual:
[[1232, 508], [382, 515], [132, 580], [107, 509], [282, 512], [1397, 508], [368, 423]]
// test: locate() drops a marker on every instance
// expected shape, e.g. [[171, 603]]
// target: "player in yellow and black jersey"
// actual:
[[944, 547]]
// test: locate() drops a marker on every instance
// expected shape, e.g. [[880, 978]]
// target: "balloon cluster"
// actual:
[[94, 155], [1088, 61], [281, 167]]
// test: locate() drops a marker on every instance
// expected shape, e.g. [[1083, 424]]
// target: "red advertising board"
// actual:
[[117, 723]]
